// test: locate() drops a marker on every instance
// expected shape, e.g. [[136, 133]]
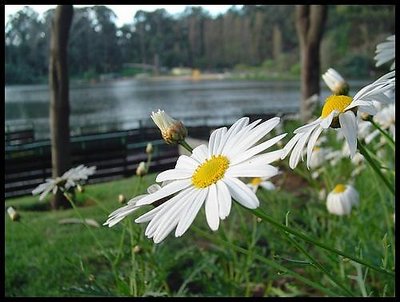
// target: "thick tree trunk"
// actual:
[[59, 97], [310, 22]]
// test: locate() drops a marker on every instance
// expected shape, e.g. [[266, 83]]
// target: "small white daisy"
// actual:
[[69, 179], [339, 112], [385, 52], [341, 199], [262, 182], [211, 176]]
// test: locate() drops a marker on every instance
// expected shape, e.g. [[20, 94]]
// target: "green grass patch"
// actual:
[[49, 259]]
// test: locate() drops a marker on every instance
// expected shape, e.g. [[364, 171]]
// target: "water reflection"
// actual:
[[126, 103]]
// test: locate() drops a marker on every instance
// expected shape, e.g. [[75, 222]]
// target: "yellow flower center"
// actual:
[[210, 171], [256, 181], [335, 102], [339, 188]]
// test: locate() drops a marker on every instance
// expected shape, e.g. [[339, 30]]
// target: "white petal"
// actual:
[[236, 127], [248, 140], [211, 208], [163, 232], [307, 126], [174, 174], [171, 210], [290, 144], [224, 200], [215, 140], [151, 214], [120, 214], [267, 185], [311, 144], [241, 193], [326, 122], [221, 141], [153, 188], [191, 213], [297, 150], [370, 109], [348, 125], [251, 171], [169, 189], [47, 191], [200, 153], [186, 163], [234, 141], [257, 149], [211, 141]]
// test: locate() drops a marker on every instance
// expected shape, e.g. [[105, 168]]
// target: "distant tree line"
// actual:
[[252, 35]]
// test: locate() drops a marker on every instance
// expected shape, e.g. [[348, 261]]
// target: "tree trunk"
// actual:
[[59, 97], [310, 22]]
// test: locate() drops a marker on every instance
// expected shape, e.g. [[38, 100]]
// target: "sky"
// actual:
[[124, 13]]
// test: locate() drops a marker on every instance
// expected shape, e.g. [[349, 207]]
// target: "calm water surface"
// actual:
[[126, 103]]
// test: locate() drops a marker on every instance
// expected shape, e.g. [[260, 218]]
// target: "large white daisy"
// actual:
[[339, 112], [211, 176]]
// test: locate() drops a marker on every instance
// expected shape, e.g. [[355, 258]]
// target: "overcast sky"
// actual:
[[124, 13]]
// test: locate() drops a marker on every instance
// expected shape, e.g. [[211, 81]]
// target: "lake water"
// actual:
[[125, 104]]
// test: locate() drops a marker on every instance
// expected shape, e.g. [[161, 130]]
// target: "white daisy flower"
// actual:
[[172, 131], [385, 52], [335, 82], [339, 112], [69, 179], [262, 182], [211, 176], [341, 199]]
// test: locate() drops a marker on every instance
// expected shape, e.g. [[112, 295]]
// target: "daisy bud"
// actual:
[[80, 188], [335, 82], [14, 215], [149, 148], [136, 249], [172, 131], [121, 198], [141, 169]]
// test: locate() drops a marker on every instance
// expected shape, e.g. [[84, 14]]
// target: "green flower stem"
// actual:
[[185, 145], [374, 166], [259, 213], [132, 277], [385, 134], [83, 220], [316, 264], [267, 261]]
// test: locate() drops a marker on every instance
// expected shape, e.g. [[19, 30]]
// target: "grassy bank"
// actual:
[[46, 258]]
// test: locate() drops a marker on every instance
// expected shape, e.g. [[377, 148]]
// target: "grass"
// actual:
[[245, 257]]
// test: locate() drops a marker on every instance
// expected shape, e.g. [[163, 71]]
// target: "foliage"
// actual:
[[250, 35]]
